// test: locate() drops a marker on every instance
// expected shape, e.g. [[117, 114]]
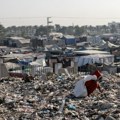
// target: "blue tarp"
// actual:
[[70, 41], [22, 62]]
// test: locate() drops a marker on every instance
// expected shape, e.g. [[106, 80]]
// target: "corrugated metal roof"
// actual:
[[21, 39], [91, 52], [17, 38], [69, 36], [24, 41]]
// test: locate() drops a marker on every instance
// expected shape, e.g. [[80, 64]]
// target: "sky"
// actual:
[[63, 12]]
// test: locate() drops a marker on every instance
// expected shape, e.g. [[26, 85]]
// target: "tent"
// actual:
[[52, 48], [90, 52], [38, 62], [91, 59], [10, 65], [110, 45]]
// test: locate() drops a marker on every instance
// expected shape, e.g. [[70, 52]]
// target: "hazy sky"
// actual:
[[63, 12]]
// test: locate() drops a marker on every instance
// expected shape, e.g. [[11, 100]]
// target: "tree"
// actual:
[[2, 31], [77, 30], [41, 31], [57, 27], [113, 29], [63, 30], [70, 30]]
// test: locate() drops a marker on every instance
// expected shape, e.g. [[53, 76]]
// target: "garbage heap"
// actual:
[[44, 98]]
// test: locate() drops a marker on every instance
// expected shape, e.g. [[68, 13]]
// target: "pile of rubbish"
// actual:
[[47, 98]]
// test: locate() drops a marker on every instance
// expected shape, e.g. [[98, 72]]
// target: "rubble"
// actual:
[[49, 99]]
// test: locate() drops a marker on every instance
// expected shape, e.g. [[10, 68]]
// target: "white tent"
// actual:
[[109, 45], [10, 65], [90, 52], [38, 62], [90, 59], [102, 42]]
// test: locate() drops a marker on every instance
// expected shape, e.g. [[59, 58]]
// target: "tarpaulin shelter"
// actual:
[[39, 62], [37, 66], [69, 40], [89, 52], [91, 59], [10, 65], [109, 45]]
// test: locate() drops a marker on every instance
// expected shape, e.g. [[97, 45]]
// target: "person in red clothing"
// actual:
[[92, 85], [87, 85]]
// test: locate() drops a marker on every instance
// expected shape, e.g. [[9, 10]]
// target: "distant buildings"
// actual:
[[37, 42], [16, 42]]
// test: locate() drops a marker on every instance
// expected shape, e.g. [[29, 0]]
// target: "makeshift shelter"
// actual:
[[110, 45], [83, 44], [3, 71], [38, 62], [11, 66], [20, 56], [17, 60], [69, 40], [94, 40], [37, 66], [16, 42], [52, 48], [91, 59], [89, 52], [101, 43]]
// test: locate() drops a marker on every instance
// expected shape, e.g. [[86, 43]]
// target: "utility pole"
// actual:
[[48, 22]]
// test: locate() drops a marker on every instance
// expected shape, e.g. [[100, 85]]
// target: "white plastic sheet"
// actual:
[[80, 88], [90, 59]]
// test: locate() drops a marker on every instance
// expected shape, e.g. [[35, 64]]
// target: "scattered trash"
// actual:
[[71, 107], [51, 98]]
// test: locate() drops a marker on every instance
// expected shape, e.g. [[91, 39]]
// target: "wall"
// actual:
[[3, 71]]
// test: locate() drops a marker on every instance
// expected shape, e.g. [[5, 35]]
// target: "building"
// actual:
[[69, 40], [37, 42], [16, 42]]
